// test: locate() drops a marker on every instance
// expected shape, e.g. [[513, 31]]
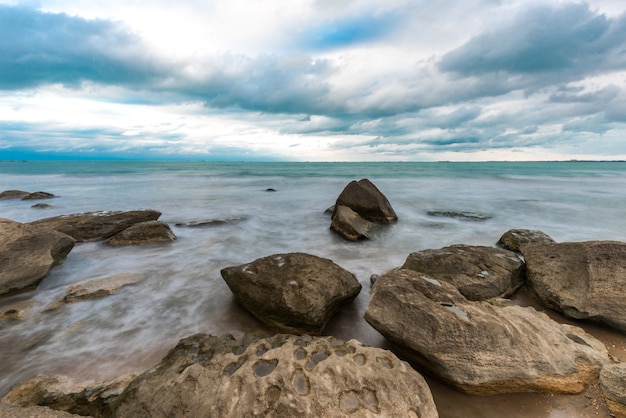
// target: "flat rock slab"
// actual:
[[583, 280], [478, 272], [280, 376], [613, 385], [27, 253], [295, 292], [93, 226], [481, 347], [143, 233]]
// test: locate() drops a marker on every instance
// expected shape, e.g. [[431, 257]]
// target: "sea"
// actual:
[[268, 208]]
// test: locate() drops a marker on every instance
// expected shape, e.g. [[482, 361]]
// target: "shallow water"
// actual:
[[183, 292]]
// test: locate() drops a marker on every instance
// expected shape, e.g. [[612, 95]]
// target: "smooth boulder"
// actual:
[[478, 272], [481, 347], [143, 233], [583, 280], [93, 226], [27, 253], [295, 292], [350, 224], [364, 198], [279, 376], [514, 239], [613, 386]]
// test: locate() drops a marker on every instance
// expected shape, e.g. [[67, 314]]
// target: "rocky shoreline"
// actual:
[[444, 311]]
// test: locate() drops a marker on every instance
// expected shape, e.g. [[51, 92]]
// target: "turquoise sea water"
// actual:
[[183, 292]]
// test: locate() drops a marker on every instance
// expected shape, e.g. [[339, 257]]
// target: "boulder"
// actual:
[[41, 206], [12, 411], [613, 386], [93, 226], [349, 224], [279, 376], [295, 292], [583, 280], [478, 272], [38, 195], [365, 199], [143, 233], [61, 393], [513, 239], [481, 347], [13, 194], [27, 253]]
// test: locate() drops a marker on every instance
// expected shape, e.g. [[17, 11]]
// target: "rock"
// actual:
[[13, 194], [213, 222], [143, 233], [478, 272], [27, 253], [92, 226], [583, 280], [98, 287], [280, 376], [613, 385], [481, 347], [38, 195], [349, 224], [12, 411], [17, 311], [365, 199], [63, 394], [295, 292], [468, 216], [513, 239], [41, 206]]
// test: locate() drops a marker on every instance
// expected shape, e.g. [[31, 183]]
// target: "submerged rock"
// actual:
[[481, 347], [514, 239], [13, 194], [583, 280], [478, 272], [469, 216], [27, 253], [212, 222], [38, 195], [280, 376], [93, 226], [295, 292], [143, 233], [613, 385], [349, 224], [16, 311]]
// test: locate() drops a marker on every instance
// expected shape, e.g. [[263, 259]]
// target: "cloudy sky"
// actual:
[[313, 80]]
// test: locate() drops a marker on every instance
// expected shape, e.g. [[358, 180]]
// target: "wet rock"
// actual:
[[583, 280], [12, 411], [97, 287], [38, 195], [613, 385], [481, 347], [212, 222], [143, 233], [93, 226], [478, 272], [280, 376], [41, 206], [13, 194], [16, 311], [349, 224], [366, 200], [27, 253], [513, 239], [295, 292], [61, 393], [468, 216]]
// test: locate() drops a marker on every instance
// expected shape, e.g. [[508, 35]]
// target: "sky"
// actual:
[[313, 80]]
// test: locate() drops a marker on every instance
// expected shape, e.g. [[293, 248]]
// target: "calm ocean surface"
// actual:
[[183, 292]]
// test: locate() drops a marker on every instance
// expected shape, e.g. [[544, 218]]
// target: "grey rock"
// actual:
[[143, 233]]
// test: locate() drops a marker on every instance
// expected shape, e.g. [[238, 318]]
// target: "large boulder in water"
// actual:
[[583, 280], [613, 385], [481, 347], [280, 376], [143, 233], [514, 239], [349, 224], [93, 226], [478, 272], [365, 199], [28, 252], [295, 292]]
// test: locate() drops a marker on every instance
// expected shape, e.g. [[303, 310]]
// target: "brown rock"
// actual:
[[481, 347], [613, 385], [94, 226], [27, 253], [294, 292], [349, 224], [12, 411], [583, 280], [13, 194], [513, 239], [365, 199], [38, 195], [478, 272], [143, 233]]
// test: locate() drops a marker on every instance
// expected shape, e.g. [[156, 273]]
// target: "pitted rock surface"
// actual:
[[478, 272], [481, 347], [296, 292], [279, 376]]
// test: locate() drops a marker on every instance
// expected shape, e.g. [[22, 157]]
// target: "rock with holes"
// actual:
[[93, 226], [296, 292], [514, 239], [481, 347], [613, 385], [583, 280], [27, 253], [279, 376], [478, 272]]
